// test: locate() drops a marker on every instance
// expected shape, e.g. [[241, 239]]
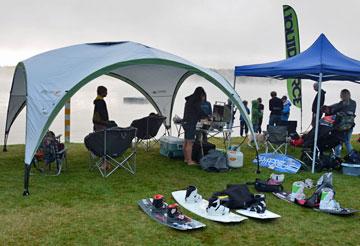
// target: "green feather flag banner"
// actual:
[[292, 42]]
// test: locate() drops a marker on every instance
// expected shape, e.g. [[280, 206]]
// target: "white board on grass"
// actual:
[[200, 209], [266, 215]]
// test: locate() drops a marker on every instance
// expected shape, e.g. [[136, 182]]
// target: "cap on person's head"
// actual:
[[101, 90], [284, 98], [273, 94]]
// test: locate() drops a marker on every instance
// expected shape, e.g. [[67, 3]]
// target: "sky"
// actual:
[[211, 33]]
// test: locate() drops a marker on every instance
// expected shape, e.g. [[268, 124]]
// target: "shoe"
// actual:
[[215, 208], [192, 196]]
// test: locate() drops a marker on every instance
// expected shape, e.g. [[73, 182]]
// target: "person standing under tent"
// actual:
[[192, 114], [275, 107], [345, 110], [314, 104], [261, 109], [255, 114], [100, 117], [243, 127], [285, 113]]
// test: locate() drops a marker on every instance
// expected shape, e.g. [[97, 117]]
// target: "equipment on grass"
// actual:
[[278, 162], [321, 200], [168, 215], [171, 147], [235, 158], [200, 208]]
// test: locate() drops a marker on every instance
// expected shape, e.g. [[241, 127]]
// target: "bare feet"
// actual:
[[191, 163]]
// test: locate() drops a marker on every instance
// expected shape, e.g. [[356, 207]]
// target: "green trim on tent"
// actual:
[[108, 69]]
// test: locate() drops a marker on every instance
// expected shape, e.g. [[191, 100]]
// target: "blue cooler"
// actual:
[[171, 147], [351, 169]]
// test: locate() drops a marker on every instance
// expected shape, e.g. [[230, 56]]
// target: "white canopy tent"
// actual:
[[45, 82]]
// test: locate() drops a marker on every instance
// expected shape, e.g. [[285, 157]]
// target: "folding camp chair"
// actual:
[[328, 139], [147, 129], [51, 151], [277, 139], [108, 150]]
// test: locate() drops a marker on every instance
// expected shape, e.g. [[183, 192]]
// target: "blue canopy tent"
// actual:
[[320, 62]]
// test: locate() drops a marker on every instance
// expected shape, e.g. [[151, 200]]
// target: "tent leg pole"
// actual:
[[5, 142], [316, 123], [27, 169]]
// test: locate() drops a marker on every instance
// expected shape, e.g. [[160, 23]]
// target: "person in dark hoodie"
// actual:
[[275, 107], [314, 104], [192, 114], [100, 116]]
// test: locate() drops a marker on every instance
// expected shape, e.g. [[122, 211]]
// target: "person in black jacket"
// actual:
[[192, 114], [100, 116], [314, 104], [347, 106], [275, 107]]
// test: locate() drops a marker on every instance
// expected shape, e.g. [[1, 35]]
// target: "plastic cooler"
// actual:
[[171, 147], [351, 169]]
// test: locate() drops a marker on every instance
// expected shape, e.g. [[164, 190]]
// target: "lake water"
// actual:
[[124, 114]]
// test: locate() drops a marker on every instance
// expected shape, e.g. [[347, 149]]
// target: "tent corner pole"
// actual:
[[5, 142], [27, 168], [316, 123]]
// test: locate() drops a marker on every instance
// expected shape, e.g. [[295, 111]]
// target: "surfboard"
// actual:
[[200, 209]]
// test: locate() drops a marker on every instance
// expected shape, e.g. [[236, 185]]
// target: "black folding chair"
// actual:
[[147, 129], [277, 139], [108, 150]]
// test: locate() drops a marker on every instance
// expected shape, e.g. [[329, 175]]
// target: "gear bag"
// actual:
[[214, 161], [263, 186], [236, 196]]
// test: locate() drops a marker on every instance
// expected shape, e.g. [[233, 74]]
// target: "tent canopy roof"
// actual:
[[320, 57], [46, 81]]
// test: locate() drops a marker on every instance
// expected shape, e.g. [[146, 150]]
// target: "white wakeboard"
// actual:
[[200, 209], [266, 215]]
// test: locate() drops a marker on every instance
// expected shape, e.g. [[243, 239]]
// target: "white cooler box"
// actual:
[[171, 147]]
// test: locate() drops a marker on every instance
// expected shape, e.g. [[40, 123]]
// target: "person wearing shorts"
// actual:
[[192, 114]]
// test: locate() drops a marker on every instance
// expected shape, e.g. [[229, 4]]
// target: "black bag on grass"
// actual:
[[236, 196], [263, 186]]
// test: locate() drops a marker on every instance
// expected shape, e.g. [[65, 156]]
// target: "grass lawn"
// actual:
[[81, 207]]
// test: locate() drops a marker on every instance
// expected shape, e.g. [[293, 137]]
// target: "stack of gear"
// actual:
[[214, 161], [323, 198]]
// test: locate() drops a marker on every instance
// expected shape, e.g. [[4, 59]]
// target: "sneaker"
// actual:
[[192, 195], [297, 191], [215, 208]]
